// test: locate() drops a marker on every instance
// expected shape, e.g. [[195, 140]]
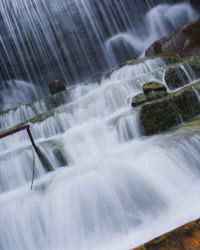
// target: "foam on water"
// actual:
[[115, 189], [127, 192]]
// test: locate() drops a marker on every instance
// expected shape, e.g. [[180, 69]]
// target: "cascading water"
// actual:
[[116, 189], [41, 41], [110, 188]]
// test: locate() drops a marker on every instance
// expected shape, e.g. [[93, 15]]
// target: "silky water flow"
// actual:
[[110, 187]]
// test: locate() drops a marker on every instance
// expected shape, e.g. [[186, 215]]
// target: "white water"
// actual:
[[115, 189], [41, 41], [118, 189], [113, 196]]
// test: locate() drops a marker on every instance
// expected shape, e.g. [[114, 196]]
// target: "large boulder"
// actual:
[[185, 42], [162, 114]]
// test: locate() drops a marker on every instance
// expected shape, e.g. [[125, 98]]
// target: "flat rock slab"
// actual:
[[153, 86], [186, 237]]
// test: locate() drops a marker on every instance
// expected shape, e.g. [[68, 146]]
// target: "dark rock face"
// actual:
[[153, 86], [176, 77], [185, 42], [56, 86], [195, 3], [186, 237], [162, 114]]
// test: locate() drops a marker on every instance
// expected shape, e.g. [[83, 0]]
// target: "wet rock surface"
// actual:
[[152, 91], [56, 86], [153, 95], [162, 114], [138, 100], [185, 42], [186, 237], [176, 77], [195, 66], [153, 86]]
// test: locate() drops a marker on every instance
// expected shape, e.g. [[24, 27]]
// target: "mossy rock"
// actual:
[[158, 116], [195, 66], [42, 117], [168, 112], [167, 58], [138, 100], [131, 61], [153, 95], [58, 151], [44, 160], [176, 77], [153, 86], [60, 156], [143, 98], [195, 122]]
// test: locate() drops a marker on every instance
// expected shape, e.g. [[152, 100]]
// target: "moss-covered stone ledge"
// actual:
[[24, 113], [164, 59], [186, 237], [170, 111]]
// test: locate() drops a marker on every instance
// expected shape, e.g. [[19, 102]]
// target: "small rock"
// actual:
[[153, 86], [138, 100], [56, 86], [176, 78]]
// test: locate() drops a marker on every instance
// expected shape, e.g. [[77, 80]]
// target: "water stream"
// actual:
[[41, 41], [110, 188]]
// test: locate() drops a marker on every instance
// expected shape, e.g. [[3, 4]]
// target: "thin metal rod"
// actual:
[[13, 131], [33, 176]]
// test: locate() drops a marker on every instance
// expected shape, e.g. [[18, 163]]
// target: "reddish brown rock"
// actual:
[[186, 237], [185, 42]]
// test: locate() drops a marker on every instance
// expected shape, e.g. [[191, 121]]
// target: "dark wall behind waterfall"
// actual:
[[74, 40]]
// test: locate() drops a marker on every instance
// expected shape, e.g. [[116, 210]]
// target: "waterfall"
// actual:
[[110, 188], [41, 41], [112, 195]]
